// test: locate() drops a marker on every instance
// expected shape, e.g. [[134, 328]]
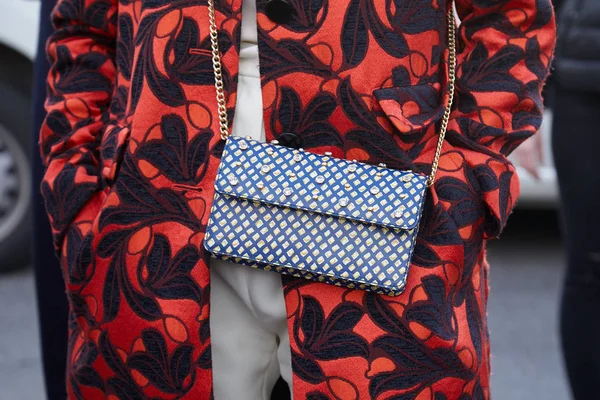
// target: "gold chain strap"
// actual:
[[222, 107], [450, 91], [216, 59]]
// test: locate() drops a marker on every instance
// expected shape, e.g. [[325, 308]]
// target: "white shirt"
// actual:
[[248, 120], [249, 45], [250, 342]]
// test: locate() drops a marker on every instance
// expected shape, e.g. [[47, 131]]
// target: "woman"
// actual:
[[132, 147], [576, 118]]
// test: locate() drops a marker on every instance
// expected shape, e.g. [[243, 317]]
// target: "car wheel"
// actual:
[[15, 170]]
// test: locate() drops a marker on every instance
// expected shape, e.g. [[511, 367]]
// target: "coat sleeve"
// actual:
[[80, 85], [504, 53]]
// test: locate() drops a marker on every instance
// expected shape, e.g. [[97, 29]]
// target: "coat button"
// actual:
[[291, 140], [279, 11]]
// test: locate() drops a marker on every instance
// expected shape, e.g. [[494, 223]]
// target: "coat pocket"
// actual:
[[464, 177]]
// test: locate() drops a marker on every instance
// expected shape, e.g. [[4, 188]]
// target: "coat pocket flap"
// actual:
[[300, 180], [411, 108]]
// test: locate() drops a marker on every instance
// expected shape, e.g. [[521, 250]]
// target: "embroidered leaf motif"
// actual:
[[332, 337], [166, 370], [436, 312], [169, 277], [307, 369], [354, 35], [177, 159], [466, 207], [311, 124]]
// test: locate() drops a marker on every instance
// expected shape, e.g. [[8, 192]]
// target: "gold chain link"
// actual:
[[222, 106], [216, 59], [450, 91]]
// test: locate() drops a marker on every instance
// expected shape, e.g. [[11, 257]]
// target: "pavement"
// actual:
[[526, 274], [527, 267], [20, 368]]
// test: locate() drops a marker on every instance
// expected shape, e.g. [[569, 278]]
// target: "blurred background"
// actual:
[[527, 263]]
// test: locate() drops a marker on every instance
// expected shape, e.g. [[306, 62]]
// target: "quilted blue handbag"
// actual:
[[315, 216]]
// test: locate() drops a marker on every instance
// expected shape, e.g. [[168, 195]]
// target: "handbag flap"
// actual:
[[301, 180]]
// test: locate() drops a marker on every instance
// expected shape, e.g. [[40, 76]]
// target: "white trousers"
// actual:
[[249, 335]]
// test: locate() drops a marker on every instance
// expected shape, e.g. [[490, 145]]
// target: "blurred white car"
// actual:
[[18, 44], [19, 26], [18, 41]]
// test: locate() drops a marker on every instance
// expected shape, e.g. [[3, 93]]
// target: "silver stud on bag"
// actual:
[[238, 163], [270, 151], [343, 202], [397, 214], [352, 168], [260, 185], [297, 157], [233, 180], [320, 179], [275, 142], [383, 165], [243, 145], [328, 153], [287, 191], [292, 175], [403, 196], [406, 178], [374, 190], [315, 196], [248, 137], [265, 169], [348, 186]]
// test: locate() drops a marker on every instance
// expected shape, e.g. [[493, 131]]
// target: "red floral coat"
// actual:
[[131, 146]]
